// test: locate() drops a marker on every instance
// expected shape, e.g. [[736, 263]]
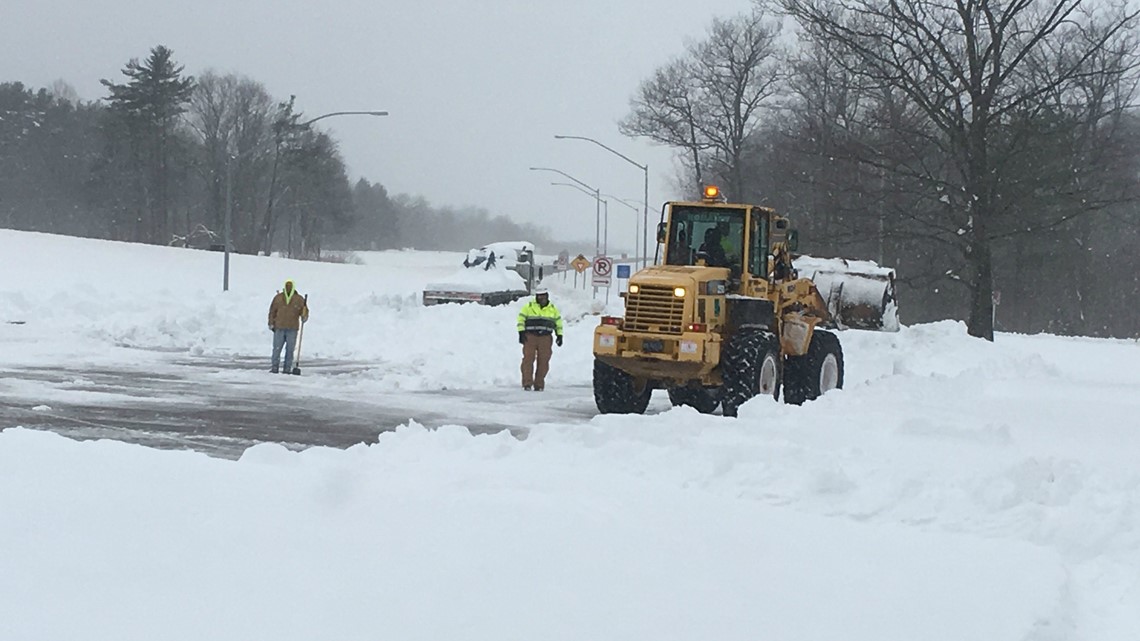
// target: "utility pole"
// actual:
[[229, 218]]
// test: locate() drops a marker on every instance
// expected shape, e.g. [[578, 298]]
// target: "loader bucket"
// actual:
[[859, 293]]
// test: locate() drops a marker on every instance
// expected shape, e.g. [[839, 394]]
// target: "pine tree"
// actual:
[[148, 107]]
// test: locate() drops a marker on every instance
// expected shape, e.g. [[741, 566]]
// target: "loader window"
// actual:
[[758, 253], [715, 234]]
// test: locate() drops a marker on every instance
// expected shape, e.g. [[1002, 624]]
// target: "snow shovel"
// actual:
[[300, 339]]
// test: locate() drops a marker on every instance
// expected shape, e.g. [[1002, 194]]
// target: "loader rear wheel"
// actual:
[[817, 372], [751, 367], [702, 399], [615, 392]]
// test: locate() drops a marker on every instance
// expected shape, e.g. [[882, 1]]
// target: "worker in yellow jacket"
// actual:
[[539, 325]]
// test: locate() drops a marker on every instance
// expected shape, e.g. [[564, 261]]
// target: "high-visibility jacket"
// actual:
[[540, 320], [728, 246]]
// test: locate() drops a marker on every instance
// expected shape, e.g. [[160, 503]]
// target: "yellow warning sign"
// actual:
[[580, 264]]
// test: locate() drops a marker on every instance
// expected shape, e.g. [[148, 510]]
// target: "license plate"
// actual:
[[653, 347]]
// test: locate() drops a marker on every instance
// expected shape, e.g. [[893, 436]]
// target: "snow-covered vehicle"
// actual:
[[494, 274]]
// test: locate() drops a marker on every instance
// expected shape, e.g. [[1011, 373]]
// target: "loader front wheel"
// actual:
[[702, 399], [616, 392], [817, 372], [751, 367]]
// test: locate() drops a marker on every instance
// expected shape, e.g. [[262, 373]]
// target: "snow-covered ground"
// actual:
[[954, 490]]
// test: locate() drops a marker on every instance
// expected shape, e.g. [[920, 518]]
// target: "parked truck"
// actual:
[[724, 317], [494, 274]]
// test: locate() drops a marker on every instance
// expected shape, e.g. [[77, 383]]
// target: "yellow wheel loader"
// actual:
[[725, 317]]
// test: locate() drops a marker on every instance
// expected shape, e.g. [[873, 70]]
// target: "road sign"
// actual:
[[603, 271], [580, 263], [563, 262], [623, 271]]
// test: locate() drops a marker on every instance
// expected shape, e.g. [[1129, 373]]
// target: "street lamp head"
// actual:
[[342, 113], [562, 173]]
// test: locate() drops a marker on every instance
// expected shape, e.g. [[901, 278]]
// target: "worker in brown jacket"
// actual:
[[286, 313]]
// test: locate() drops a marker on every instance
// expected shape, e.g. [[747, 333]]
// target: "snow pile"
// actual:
[[812, 264], [955, 489], [444, 536]]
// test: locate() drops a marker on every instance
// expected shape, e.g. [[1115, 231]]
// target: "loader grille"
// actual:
[[654, 309]]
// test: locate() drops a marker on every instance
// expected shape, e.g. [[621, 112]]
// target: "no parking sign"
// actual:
[[603, 271]]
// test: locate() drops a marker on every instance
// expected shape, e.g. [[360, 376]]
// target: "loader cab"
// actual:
[[733, 236], [712, 234]]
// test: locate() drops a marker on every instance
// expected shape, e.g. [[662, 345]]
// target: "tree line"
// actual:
[[165, 155], [987, 149]]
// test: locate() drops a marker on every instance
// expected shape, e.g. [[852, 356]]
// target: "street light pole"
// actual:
[[636, 234], [597, 199], [226, 229], [606, 214], [598, 210], [645, 169]]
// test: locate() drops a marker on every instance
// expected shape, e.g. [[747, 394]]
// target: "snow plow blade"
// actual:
[[860, 294]]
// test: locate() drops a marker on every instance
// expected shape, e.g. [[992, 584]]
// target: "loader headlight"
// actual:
[[633, 289], [679, 292]]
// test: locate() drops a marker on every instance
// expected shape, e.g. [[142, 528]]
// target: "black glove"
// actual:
[[272, 328], [522, 338], [558, 341]]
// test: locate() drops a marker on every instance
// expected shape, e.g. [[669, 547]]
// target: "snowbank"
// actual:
[[955, 489]]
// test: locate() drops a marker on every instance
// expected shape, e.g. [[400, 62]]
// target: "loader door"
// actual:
[[758, 246]]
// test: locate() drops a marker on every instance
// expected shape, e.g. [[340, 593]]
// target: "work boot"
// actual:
[[537, 388], [273, 371], [526, 388]]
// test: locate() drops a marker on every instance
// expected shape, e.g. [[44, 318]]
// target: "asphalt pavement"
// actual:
[[221, 406]]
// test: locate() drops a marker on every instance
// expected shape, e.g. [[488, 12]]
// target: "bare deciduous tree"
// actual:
[[666, 110], [707, 102], [738, 67], [971, 68], [232, 118]]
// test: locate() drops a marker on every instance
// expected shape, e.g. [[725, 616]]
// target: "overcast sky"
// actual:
[[476, 90]]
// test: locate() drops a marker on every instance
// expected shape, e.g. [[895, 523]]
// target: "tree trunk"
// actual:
[[980, 259]]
